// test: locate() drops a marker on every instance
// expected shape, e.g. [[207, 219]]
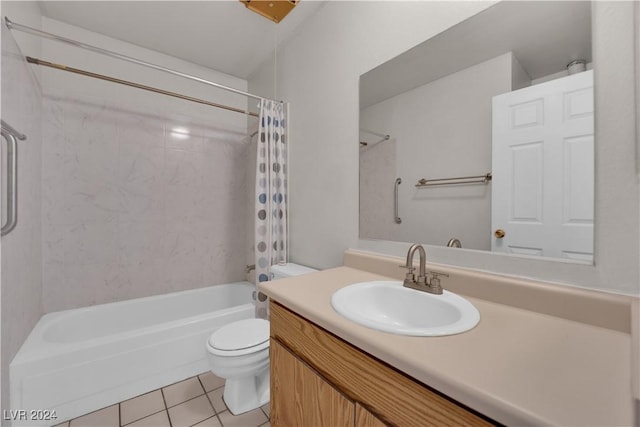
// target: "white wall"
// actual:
[[129, 209], [318, 73], [21, 276]]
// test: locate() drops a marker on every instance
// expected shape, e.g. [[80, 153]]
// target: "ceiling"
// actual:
[[219, 34]]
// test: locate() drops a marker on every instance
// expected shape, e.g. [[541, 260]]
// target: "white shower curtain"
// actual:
[[271, 194]]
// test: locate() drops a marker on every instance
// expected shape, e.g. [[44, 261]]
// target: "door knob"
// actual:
[[499, 233]]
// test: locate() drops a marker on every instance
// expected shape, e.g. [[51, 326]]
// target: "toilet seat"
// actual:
[[240, 338]]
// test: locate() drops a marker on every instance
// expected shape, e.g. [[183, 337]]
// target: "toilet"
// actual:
[[239, 353]]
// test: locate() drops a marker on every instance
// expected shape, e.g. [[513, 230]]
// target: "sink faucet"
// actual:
[[421, 283], [410, 278]]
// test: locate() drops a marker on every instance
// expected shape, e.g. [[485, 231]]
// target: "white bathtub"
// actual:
[[77, 361]]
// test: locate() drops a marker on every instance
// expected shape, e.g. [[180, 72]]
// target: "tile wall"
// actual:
[[21, 254], [133, 206]]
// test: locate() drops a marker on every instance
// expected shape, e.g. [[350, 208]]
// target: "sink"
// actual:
[[388, 306]]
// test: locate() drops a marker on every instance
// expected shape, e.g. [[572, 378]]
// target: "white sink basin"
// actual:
[[388, 306]]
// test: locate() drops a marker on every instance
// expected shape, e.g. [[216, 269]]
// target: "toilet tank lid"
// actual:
[[290, 269]]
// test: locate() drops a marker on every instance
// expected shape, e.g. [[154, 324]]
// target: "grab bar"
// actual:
[[12, 184], [397, 218], [7, 127], [10, 135]]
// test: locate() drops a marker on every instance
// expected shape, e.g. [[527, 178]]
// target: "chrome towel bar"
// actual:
[[478, 179]]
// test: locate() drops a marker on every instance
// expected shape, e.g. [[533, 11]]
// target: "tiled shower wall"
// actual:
[[131, 208], [21, 254]]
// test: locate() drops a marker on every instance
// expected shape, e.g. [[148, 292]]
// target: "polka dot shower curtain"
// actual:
[[271, 196]]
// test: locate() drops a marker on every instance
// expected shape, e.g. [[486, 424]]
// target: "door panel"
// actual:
[[543, 169]]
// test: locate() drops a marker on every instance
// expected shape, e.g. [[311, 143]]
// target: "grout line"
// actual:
[[201, 421], [146, 416], [211, 403], [265, 414], [220, 419], [217, 414], [165, 408], [119, 415], [143, 394], [202, 385], [180, 403], [163, 399], [188, 400]]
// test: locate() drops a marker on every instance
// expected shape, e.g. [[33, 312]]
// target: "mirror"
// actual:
[[482, 136]]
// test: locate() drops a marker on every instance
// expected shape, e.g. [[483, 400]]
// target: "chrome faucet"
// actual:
[[421, 283], [410, 277], [454, 243]]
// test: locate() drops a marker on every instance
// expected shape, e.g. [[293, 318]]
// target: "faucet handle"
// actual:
[[434, 283], [436, 275], [409, 277]]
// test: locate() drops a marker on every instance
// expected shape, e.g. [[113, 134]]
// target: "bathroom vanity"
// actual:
[[318, 380], [541, 355]]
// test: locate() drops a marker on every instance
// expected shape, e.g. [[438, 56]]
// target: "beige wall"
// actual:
[[318, 73]]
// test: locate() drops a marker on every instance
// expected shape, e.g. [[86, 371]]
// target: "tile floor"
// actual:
[[196, 401]]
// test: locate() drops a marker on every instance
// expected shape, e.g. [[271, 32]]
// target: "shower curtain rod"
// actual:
[[132, 84], [26, 29]]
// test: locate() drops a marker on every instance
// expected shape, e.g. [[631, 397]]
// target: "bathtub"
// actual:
[[77, 361]]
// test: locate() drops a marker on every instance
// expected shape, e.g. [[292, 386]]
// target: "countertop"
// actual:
[[517, 366]]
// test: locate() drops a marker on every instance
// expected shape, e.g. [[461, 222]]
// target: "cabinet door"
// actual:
[[364, 418], [301, 397]]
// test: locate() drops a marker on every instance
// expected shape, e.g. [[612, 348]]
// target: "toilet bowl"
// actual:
[[239, 353]]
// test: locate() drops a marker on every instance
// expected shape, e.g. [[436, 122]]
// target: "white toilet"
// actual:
[[239, 353]]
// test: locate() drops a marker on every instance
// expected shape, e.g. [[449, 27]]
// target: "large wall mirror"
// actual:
[[482, 137]]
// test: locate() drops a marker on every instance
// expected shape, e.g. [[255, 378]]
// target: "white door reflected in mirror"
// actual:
[[543, 169]]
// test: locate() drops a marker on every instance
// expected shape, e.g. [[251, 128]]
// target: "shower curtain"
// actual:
[[271, 195]]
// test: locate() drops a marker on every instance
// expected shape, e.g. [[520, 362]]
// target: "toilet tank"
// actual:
[[280, 271]]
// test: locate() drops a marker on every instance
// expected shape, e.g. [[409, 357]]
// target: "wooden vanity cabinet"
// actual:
[[304, 397], [317, 379]]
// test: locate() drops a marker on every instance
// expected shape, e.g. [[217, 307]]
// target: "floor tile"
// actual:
[[267, 424], [107, 417], [64, 424], [209, 422], [141, 406], [182, 391], [191, 412], [161, 419], [216, 400], [210, 381], [267, 409], [253, 418]]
